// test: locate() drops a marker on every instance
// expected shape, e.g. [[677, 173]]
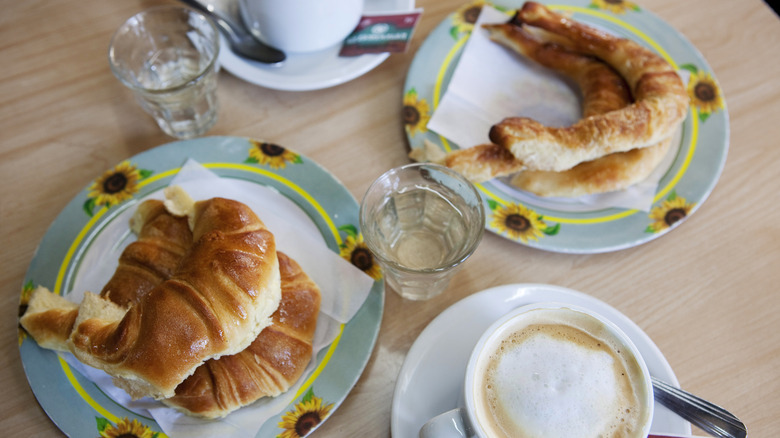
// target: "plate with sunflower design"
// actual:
[[305, 192], [557, 224]]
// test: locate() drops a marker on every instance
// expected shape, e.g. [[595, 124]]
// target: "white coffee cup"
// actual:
[[299, 26], [551, 370]]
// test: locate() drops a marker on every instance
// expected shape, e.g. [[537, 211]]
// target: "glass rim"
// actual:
[[450, 262], [159, 9]]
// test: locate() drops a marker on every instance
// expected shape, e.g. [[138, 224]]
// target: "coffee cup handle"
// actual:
[[451, 424]]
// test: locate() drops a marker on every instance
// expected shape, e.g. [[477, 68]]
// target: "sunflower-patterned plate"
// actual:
[[75, 404], [556, 225]]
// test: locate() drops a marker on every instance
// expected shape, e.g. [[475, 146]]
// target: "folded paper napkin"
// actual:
[[491, 83], [344, 288]]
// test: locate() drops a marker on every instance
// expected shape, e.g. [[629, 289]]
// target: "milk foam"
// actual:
[[555, 380]]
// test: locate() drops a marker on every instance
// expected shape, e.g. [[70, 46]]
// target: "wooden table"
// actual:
[[707, 293]]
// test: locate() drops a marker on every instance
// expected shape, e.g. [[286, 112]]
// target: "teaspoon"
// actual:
[[242, 43], [709, 417]]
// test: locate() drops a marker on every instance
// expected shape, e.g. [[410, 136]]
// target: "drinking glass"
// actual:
[[167, 55], [421, 222]]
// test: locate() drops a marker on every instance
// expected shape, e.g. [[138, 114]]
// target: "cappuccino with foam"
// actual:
[[559, 372]]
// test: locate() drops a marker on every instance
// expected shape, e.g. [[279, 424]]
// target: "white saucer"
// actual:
[[311, 71], [430, 379]]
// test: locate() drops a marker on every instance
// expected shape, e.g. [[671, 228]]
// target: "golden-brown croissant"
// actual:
[[269, 366], [162, 240], [216, 303], [49, 319]]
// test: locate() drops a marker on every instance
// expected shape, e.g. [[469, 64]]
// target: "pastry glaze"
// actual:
[[216, 303]]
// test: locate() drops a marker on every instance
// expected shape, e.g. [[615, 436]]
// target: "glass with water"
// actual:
[[167, 56], [421, 222]]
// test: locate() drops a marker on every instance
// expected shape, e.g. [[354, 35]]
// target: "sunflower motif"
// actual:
[[415, 113], [308, 414], [615, 6], [674, 209], [704, 92], [115, 186], [124, 429], [356, 252], [272, 155], [464, 18], [23, 301], [522, 223]]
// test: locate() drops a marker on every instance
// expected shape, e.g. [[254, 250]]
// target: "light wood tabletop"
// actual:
[[707, 293]]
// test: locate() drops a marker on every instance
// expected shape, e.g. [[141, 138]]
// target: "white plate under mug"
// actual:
[[430, 378], [311, 71]]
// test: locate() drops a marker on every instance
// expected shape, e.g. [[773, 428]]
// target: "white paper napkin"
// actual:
[[344, 288], [491, 83]]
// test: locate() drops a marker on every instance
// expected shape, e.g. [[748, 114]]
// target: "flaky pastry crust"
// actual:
[[660, 101], [216, 303], [603, 90], [272, 363], [161, 241]]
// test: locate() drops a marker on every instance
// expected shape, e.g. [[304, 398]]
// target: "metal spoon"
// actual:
[[709, 417], [242, 43]]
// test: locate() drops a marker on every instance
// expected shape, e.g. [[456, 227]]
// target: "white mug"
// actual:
[[299, 26], [536, 377]]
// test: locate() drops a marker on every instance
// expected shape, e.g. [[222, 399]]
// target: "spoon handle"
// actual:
[[709, 417], [241, 41], [219, 20]]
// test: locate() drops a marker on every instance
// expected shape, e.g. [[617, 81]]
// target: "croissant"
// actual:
[[49, 319], [220, 297], [162, 240], [660, 101], [269, 366]]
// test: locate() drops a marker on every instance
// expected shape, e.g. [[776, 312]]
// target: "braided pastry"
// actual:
[[660, 101], [603, 90]]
